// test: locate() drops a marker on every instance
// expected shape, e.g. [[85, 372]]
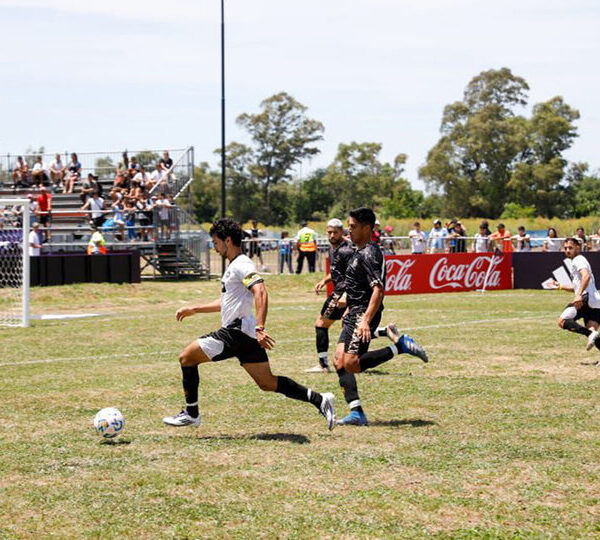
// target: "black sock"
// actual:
[[573, 326], [374, 358], [322, 345], [190, 388], [293, 390], [348, 383]]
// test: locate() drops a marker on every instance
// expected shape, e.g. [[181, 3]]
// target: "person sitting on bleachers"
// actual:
[[39, 173], [20, 174], [57, 173], [141, 177], [96, 207], [157, 175], [134, 167], [88, 187], [73, 174]]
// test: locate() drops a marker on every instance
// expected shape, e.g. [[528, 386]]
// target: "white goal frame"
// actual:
[[25, 319]]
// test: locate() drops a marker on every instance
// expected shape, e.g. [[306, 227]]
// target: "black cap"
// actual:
[[92, 175]]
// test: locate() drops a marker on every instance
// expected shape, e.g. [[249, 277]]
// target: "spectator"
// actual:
[[57, 173], [33, 214], [96, 245], [551, 242], [595, 240], [306, 244], [44, 210], [481, 241], [502, 239], [254, 243], [523, 240], [418, 239], [437, 238], [376, 235], [96, 207], [285, 252], [144, 215], [486, 226], [34, 241], [156, 176], [134, 167], [119, 220], [39, 173], [580, 237], [163, 207], [387, 242], [166, 162], [89, 187], [459, 244], [141, 178], [130, 211], [20, 174], [73, 174]]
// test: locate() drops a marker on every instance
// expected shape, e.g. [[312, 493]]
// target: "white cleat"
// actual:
[[393, 333], [592, 340], [182, 419], [328, 410], [318, 369]]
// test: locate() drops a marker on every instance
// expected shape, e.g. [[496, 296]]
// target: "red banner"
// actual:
[[447, 272]]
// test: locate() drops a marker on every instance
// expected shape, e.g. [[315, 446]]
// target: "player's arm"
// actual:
[[211, 307], [364, 329], [585, 281], [322, 283], [261, 303]]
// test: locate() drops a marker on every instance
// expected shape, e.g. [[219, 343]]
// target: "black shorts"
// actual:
[[45, 219], [330, 310], [254, 249], [229, 342], [349, 337], [586, 312]]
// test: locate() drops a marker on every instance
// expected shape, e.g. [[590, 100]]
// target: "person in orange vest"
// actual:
[[502, 239], [306, 244]]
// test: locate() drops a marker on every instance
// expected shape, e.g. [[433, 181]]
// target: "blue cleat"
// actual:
[[355, 418], [406, 344]]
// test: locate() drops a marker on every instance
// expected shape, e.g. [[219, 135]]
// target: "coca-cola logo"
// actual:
[[398, 277], [466, 276]]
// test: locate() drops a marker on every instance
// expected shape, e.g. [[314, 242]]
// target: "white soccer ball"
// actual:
[[109, 422]]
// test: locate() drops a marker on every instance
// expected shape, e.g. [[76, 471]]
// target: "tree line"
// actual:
[[491, 160]]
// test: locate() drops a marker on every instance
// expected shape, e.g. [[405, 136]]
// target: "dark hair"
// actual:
[[574, 240], [227, 228], [521, 228], [364, 215], [284, 233], [552, 229]]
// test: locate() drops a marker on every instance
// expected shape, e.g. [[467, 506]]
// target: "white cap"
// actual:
[[335, 222]]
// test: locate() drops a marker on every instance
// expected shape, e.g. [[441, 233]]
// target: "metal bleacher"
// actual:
[[179, 252]]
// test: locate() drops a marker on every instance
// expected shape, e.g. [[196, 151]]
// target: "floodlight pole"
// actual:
[[223, 193]]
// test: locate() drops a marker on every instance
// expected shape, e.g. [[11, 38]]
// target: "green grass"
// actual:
[[496, 438]]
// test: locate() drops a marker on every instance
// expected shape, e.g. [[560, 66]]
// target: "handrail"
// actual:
[[166, 175]]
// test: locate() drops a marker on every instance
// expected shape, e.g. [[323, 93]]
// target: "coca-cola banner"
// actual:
[[447, 272]]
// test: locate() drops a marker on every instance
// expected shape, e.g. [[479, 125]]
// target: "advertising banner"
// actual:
[[447, 272]]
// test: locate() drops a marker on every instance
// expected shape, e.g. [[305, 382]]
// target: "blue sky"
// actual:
[[87, 76]]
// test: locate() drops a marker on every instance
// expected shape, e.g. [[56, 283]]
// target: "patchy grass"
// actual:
[[496, 438]]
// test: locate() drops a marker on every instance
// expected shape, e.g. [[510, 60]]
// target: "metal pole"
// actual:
[[223, 194], [26, 264]]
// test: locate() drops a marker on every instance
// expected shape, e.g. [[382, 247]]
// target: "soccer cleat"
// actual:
[[318, 369], [182, 419], [592, 339], [355, 418], [393, 333], [328, 410], [409, 346]]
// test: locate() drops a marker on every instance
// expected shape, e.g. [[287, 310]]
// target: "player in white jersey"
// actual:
[[586, 303], [242, 334]]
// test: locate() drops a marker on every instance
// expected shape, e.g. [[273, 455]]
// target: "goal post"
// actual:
[[14, 261]]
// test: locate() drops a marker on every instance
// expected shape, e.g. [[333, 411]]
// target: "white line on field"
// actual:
[[282, 342]]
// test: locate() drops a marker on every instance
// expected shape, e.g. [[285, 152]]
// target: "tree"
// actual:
[[312, 198], [147, 159], [206, 193], [282, 136], [104, 167], [481, 140], [585, 190]]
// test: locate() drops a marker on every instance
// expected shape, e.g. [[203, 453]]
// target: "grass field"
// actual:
[[496, 438]]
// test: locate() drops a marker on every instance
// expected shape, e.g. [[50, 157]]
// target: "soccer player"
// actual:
[[365, 279], [333, 308], [242, 334], [586, 303]]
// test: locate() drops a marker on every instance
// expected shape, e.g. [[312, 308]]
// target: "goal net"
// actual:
[[14, 262]]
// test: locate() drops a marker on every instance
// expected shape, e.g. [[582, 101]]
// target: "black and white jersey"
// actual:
[[366, 269], [339, 259]]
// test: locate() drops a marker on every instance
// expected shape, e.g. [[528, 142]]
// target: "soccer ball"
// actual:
[[109, 422]]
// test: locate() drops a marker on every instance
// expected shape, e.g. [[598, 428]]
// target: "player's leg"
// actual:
[[322, 326], [189, 359], [266, 381], [357, 416], [568, 321], [401, 344], [592, 322]]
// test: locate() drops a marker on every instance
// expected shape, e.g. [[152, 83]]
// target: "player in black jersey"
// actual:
[[365, 279], [340, 252]]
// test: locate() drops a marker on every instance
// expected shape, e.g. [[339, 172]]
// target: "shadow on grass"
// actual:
[[115, 442], [284, 437], [376, 372], [595, 363], [404, 422]]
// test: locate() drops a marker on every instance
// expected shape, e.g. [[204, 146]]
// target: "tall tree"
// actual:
[[481, 140], [282, 136]]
